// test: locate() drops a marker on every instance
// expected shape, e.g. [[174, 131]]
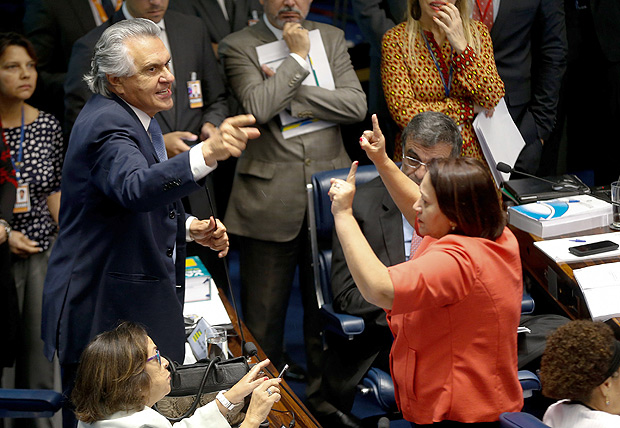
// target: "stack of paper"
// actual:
[[600, 285], [499, 139]]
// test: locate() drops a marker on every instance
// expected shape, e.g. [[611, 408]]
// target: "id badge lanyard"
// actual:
[[446, 85]]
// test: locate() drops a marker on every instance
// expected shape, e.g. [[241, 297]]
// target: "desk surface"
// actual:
[[557, 278], [280, 415]]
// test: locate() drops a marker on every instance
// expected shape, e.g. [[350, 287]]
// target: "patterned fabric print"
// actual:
[[42, 156], [412, 84]]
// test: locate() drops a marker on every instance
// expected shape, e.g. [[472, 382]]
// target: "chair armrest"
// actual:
[[29, 403], [382, 387], [341, 324]]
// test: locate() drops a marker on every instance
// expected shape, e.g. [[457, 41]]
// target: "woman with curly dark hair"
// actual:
[[580, 367]]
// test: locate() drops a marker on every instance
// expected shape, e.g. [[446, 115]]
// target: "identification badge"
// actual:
[[194, 91], [22, 199]]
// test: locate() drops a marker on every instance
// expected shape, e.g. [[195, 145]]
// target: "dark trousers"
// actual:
[[68, 373], [267, 273]]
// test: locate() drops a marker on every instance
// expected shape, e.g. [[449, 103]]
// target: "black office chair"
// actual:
[[29, 403]]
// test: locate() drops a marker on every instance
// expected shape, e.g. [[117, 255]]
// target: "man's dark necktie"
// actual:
[[108, 7], [158, 140]]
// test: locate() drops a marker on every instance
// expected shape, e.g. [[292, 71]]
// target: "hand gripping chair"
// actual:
[[29, 403], [520, 420], [321, 225]]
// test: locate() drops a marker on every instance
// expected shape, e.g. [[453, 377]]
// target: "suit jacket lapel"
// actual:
[[505, 7], [394, 240], [145, 144]]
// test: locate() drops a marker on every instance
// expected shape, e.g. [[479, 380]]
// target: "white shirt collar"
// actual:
[[144, 118], [276, 31]]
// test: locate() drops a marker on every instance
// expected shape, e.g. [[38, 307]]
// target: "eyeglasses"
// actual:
[[155, 357], [414, 163]]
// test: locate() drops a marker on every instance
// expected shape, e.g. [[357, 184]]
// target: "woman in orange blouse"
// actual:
[[454, 307], [441, 60]]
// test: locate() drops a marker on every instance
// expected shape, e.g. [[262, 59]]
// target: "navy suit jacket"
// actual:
[[120, 218]]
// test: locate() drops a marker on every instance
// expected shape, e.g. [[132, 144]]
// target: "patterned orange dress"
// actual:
[[412, 83]]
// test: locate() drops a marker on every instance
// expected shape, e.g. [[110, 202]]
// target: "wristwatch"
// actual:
[[7, 227], [224, 401]]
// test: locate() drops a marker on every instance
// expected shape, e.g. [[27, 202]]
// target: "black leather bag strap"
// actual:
[[203, 382]]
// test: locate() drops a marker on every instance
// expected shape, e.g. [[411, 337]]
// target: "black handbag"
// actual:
[[195, 385]]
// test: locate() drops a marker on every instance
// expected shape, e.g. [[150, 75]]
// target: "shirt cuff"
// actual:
[[188, 222], [197, 163], [463, 60], [301, 61]]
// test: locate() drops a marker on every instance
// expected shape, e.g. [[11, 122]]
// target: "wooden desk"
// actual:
[[557, 278], [289, 402]]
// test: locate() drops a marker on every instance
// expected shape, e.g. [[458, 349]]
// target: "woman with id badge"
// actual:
[[34, 139]]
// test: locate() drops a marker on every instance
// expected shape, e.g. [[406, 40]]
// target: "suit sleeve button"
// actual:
[[169, 252], [172, 214]]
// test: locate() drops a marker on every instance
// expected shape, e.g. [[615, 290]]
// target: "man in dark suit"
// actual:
[[429, 135], [120, 252], [529, 44], [53, 27], [192, 60]]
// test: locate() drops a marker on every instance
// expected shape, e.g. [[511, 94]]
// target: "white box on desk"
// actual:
[[561, 216]]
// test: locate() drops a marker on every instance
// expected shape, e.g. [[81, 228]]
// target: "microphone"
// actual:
[[250, 350], [383, 422], [504, 167]]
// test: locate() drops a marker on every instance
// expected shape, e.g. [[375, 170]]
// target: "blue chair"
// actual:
[[529, 382], [321, 225], [29, 403], [520, 420]]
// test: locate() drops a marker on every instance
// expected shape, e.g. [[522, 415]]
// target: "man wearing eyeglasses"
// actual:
[[429, 135]]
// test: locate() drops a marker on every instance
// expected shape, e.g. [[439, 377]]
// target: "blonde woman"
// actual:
[[441, 60]]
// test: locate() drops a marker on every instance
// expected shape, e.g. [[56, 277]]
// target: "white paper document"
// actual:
[[213, 310], [557, 249], [499, 139], [274, 53], [600, 285]]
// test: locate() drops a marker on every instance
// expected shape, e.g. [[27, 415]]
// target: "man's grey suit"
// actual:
[[267, 207]]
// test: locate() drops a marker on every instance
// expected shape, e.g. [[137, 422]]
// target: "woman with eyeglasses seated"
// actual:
[[580, 366], [454, 306], [121, 376]]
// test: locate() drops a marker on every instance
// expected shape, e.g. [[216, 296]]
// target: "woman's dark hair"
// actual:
[[577, 359], [467, 196], [111, 376], [14, 39]]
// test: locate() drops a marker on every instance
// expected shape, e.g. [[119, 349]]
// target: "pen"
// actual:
[[316, 79], [283, 371], [577, 240]]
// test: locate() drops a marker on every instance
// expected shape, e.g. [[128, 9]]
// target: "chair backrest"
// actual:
[[321, 224], [520, 420], [29, 403]]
